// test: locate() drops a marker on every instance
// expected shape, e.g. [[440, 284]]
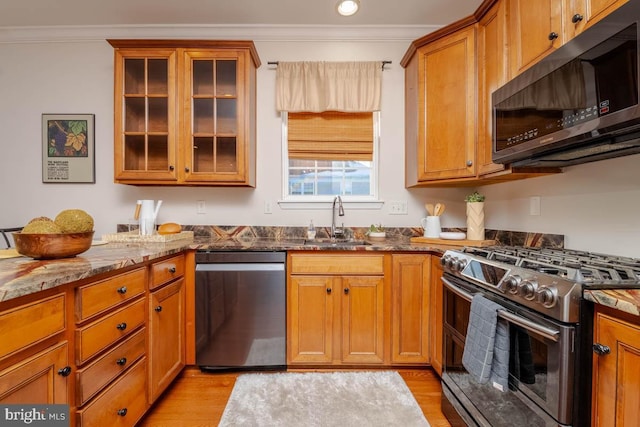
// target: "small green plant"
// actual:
[[375, 228], [474, 197]]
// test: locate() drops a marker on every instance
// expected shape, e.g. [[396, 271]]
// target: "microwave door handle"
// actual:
[[527, 324]]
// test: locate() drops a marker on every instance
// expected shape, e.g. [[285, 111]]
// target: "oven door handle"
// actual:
[[527, 324]]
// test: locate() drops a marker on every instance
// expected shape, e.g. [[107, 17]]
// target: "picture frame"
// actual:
[[68, 148]]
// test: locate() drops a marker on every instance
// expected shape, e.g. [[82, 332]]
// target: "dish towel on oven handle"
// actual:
[[486, 349]]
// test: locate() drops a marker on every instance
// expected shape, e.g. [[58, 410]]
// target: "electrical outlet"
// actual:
[[398, 207], [201, 207], [268, 208], [534, 205]]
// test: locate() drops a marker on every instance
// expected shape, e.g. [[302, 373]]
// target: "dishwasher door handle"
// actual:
[[241, 267]]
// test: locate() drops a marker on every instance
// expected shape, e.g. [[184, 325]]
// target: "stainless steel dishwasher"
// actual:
[[240, 310]]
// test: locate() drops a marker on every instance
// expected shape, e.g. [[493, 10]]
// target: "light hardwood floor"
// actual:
[[198, 399]]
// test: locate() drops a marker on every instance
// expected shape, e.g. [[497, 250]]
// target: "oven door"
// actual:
[[541, 366]]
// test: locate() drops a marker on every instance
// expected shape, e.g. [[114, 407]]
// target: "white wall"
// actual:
[[595, 206]]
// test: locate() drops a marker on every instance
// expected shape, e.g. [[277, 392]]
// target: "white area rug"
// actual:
[[362, 399]]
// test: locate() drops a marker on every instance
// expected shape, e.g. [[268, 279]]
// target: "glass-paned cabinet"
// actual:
[[185, 112]]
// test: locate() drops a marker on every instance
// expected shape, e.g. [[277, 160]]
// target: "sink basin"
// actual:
[[336, 242]]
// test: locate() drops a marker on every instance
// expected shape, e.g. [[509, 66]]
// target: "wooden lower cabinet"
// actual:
[[336, 309], [166, 336], [616, 371], [410, 308], [437, 305], [40, 379]]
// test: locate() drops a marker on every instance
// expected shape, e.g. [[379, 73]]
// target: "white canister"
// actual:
[[431, 225]]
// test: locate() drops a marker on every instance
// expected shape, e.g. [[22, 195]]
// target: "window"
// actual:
[[330, 153]]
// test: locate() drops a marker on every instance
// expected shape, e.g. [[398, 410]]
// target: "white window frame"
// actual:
[[319, 201]]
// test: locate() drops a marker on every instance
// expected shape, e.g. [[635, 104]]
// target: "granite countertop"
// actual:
[[23, 276], [627, 300]]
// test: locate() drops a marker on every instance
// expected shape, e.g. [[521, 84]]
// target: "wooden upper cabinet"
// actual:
[[441, 109], [584, 13], [492, 73], [185, 112], [535, 30]]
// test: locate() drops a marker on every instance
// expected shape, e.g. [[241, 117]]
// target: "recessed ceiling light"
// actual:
[[347, 7]]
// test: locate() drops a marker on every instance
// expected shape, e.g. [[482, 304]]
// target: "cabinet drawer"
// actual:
[[122, 404], [94, 377], [337, 264], [98, 335], [98, 297], [31, 323], [165, 271]]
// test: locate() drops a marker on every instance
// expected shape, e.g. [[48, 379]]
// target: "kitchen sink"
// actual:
[[336, 242]]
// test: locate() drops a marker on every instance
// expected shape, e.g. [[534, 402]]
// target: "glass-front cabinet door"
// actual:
[[214, 116], [145, 115], [185, 112]]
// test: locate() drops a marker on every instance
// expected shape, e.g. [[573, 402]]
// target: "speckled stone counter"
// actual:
[[23, 276], [627, 300]]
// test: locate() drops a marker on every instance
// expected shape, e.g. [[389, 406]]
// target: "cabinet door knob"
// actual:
[[122, 412], [328, 291], [186, 169], [577, 18], [158, 308], [346, 291], [122, 361], [469, 163], [122, 290], [171, 168], [121, 326], [601, 349], [553, 35], [64, 372], [172, 269]]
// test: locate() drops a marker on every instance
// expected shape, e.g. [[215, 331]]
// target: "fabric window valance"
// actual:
[[328, 86]]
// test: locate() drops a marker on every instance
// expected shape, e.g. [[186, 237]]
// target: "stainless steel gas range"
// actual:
[[550, 329]]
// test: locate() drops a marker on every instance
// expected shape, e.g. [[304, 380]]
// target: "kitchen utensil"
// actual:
[[136, 214], [429, 208], [431, 225], [439, 209], [148, 214]]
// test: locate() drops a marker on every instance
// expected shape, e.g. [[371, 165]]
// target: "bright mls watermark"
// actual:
[[34, 415]]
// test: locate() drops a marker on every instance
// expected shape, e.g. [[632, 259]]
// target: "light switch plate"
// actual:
[[398, 207]]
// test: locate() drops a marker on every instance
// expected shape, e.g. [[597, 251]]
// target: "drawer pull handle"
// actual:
[[64, 372], [158, 308], [122, 412], [553, 35], [601, 349], [328, 291], [122, 361], [122, 290], [172, 269], [122, 326], [346, 291], [577, 18]]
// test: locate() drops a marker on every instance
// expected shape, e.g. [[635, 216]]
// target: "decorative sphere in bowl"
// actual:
[[52, 245]]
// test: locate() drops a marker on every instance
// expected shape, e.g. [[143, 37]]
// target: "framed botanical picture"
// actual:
[[68, 148]]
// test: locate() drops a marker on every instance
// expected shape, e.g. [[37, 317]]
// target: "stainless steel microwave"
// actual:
[[579, 104]]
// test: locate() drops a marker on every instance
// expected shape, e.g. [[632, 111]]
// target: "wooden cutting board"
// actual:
[[451, 242]]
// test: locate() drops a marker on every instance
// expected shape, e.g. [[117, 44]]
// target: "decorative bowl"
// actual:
[[52, 246], [377, 235]]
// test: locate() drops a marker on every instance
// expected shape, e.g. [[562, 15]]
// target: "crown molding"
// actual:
[[374, 33]]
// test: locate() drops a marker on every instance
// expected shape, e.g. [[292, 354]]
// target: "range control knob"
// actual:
[[511, 284], [527, 289], [548, 297], [459, 265], [448, 261]]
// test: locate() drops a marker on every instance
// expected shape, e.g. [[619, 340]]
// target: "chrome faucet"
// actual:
[[336, 231]]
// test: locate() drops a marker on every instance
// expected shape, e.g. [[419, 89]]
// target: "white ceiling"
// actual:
[[21, 13]]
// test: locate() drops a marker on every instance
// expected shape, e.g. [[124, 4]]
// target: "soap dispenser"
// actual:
[[311, 231]]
